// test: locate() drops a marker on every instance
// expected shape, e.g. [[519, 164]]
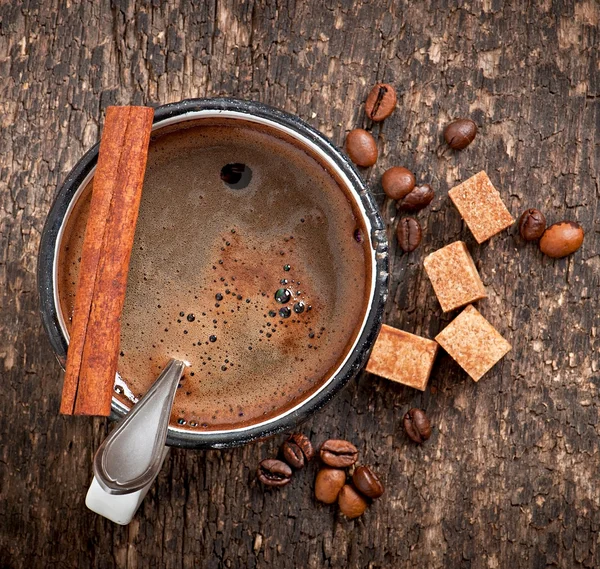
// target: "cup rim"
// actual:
[[190, 109]]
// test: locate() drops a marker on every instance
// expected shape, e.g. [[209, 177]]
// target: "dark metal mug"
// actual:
[[304, 136]]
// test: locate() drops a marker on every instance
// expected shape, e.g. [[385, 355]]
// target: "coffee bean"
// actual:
[[397, 182], [532, 224], [305, 445], [351, 503], [328, 484], [417, 199], [292, 454], [367, 482], [273, 472], [361, 147], [409, 234], [417, 425], [460, 133], [561, 239], [338, 453], [381, 102]]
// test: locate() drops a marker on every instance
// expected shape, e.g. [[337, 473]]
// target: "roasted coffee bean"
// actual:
[[351, 503], [305, 445], [417, 425], [532, 224], [292, 454], [561, 239], [417, 199], [367, 482], [409, 234], [460, 133], [361, 147], [397, 182], [381, 102], [338, 453], [273, 472], [328, 484]]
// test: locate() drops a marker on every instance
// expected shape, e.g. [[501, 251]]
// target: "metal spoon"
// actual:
[[131, 456]]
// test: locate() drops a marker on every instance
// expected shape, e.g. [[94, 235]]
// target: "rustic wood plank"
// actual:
[[508, 478]]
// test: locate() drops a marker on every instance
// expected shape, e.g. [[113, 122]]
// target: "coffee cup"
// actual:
[[271, 278]]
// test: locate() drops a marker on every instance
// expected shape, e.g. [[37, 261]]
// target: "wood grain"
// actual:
[[510, 476]]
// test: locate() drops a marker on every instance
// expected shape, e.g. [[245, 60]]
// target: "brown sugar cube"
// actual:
[[402, 357], [481, 206], [473, 342], [454, 277]]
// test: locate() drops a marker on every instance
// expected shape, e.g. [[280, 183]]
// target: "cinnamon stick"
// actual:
[[95, 335]]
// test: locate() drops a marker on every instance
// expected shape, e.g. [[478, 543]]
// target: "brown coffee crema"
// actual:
[[260, 284]]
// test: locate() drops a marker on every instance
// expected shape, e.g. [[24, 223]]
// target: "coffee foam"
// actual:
[[207, 262]]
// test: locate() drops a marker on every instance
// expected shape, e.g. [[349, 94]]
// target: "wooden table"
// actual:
[[510, 475]]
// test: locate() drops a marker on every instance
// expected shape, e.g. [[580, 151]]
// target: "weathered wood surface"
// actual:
[[510, 476]]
